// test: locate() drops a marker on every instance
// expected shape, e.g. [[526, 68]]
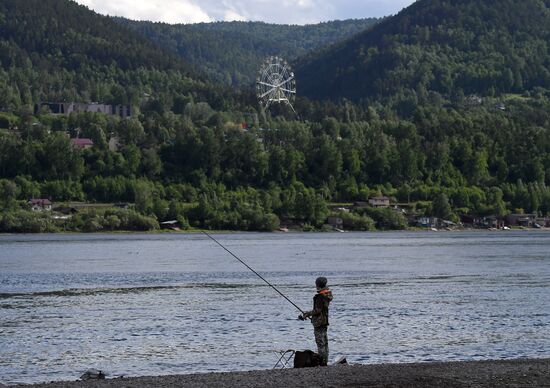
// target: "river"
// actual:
[[155, 304]]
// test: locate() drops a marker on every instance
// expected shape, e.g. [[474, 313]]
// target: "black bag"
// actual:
[[306, 359]]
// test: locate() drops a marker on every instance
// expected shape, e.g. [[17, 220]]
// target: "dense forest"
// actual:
[[232, 52], [57, 50], [209, 157], [438, 49]]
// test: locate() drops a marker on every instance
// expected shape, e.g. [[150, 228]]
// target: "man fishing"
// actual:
[[319, 317], [319, 314]]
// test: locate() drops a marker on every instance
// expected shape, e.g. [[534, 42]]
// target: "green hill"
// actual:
[[65, 34], [61, 51], [209, 157], [450, 47], [231, 52]]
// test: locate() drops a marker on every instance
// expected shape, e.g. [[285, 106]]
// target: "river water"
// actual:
[[167, 303]]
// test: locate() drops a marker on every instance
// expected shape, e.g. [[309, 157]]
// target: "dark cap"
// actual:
[[321, 282]]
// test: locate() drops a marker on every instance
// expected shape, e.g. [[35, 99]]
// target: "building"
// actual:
[[542, 222], [474, 100], [525, 220], [336, 222], [494, 222], [82, 143], [427, 222], [65, 108], [471, 220], [40, 204], [379, 202]]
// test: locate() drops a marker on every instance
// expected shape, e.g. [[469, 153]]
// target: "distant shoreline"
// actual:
[[502, 373], [291, 231]]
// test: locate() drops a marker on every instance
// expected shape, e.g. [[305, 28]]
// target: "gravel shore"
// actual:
[[510, 373]]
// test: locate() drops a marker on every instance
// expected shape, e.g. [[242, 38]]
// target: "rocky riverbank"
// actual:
[[509, 373]]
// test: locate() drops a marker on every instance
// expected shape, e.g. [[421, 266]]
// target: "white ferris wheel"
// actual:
[[276, 83]]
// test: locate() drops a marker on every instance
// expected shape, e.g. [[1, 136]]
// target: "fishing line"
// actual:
[[257, 274]]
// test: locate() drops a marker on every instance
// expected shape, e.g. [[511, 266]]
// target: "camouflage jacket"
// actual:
[[321, 302]]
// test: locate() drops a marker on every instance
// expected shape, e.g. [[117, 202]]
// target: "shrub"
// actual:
[[22, 221], [354, 221], [386, 218]]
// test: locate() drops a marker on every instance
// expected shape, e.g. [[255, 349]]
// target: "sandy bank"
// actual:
[[512, 373]]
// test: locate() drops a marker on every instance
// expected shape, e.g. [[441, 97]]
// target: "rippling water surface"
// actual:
[[165, 304]]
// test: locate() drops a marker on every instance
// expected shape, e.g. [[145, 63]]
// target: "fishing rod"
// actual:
[[250, 268]]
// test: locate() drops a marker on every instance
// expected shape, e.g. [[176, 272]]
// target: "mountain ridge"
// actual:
[[437, 45], [232, 52], [66, 29], [59, 50]]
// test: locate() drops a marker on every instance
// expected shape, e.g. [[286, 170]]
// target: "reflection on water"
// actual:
[[164, 304]]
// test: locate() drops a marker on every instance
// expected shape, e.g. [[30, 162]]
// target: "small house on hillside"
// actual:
[[474, 100], [82, 143], [379, 202], [40, 204]]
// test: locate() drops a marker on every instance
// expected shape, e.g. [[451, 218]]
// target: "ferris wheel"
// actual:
[[276, 83]]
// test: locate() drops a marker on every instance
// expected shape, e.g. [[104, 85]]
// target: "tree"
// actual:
[[143, 197], [130, 130], [495, 197], [8, 194], [441, 207], [151, 165], [132, 156]]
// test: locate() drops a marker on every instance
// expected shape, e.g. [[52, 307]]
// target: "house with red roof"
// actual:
[[40, 204], [82, 143]]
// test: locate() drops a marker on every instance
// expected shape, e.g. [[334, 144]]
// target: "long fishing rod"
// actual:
[[257, 274]]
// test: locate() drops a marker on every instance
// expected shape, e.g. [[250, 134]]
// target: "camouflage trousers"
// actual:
[[321, 338]]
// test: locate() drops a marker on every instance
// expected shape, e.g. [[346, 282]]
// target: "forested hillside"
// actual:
[[57, 50], [66, 35], [232, 52], [209, 157], [448, 47]]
